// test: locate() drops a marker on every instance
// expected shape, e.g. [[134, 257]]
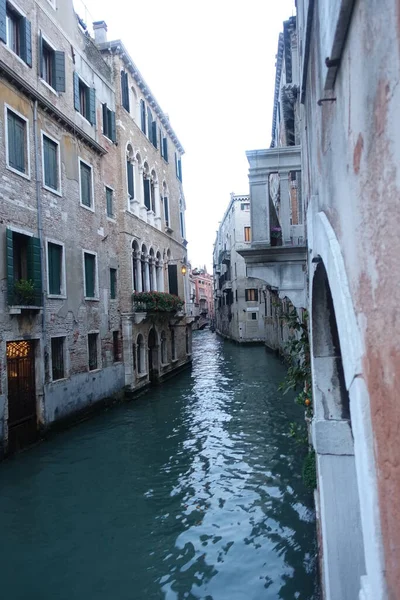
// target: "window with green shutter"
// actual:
[[50, 163], [17, 142], [113, 284], [84, 99], [23, 267], [109, 128], [166, 211], [57, 358], [143, 115], [147, 197], [109, 202], [90, 275], [15, 31], [86, 184], [55, 258], [51, 65], [92, 350]]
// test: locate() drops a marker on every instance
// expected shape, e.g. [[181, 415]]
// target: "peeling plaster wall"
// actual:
[[351, 150]]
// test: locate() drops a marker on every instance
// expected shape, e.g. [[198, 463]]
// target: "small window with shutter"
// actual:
[[90, 275], [110, 202], [86, 185], [15, 31], [109, 128], [84, 99], [55, 269], [17, 148], [51, 65], [51, 163]]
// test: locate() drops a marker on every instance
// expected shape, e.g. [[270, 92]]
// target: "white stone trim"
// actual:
[[322, 242], [63, 269], [92, 207]]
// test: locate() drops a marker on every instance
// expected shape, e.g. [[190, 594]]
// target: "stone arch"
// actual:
[[130, 153], [338, 441]]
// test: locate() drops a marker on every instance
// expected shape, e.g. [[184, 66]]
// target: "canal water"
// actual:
[[191, 491]]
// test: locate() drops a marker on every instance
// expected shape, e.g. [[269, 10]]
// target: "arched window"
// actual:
[[153, 185], [173, 344], [140, 355], [133, 104], [135, 272], [182, 217], [130, 176], [152, 274], [159, 273], [165, 200], [163, 347], [144, 268], [147, 186]]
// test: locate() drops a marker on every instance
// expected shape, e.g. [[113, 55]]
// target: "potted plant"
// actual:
[[156, 302], [24, 292], [275, 234]]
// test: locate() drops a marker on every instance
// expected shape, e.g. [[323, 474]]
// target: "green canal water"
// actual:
[[191, 491]]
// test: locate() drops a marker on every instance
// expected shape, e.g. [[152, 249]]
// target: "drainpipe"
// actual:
[[40, 236]]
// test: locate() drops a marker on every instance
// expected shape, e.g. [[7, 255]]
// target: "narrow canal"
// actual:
[[192, 491]]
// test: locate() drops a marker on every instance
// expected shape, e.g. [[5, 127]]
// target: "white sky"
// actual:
[[211, 66]]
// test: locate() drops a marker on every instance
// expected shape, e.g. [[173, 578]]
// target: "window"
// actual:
[[109, 123], [166, 212], [251, 295], [125, 90], [252, 316], [57, 358], [52, 65], [149, 124], [113, 284], [236, 295], [24, 272], [86, 184], [154, 134], [116, 346], [147, 192], [84, 99], [15, 31], [92, 351], [90, 270], [245, 206], [51, 162], [55, 269], [178, 167], [109, 202], [17, 143], [131, 179], [164, 146], [247, 234], [143, 116], [140, 355]]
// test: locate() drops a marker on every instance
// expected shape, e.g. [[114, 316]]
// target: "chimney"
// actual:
[[100, 32]]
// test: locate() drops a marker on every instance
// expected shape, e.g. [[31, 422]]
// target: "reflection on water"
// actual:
[[192, 491]]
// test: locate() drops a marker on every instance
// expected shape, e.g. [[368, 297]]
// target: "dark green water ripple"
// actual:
[[191, 492]]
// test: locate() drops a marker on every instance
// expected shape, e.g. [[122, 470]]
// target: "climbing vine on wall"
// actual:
[[298, 379]]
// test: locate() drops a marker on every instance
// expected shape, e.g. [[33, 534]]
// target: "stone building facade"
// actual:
[[240, 301], [336, 100], [65, 268]]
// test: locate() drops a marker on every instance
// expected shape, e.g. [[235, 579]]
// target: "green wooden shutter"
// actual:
[[113, 133], [143, 115], [131, 186], [10, 266], [149, 123], [180, 170], [176, 165], [50, 163], [165, 149], [173, 279], [166, 211], [109, 202], [55, 266], [35, 268], [105, 120], [59, 71], [146, 183], [113, 284], [86, 185], [90, 265], [3, 21], [92, 106], [26, 41], [40, 54], [77, 102], [161, 145], [16, 142], [154, 134]]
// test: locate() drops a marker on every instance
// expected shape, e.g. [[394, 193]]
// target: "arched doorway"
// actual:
[[153, 354], [339, 502]]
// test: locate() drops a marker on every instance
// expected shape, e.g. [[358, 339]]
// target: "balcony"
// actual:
[[227, 285], [277, 253], [225, 256]]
